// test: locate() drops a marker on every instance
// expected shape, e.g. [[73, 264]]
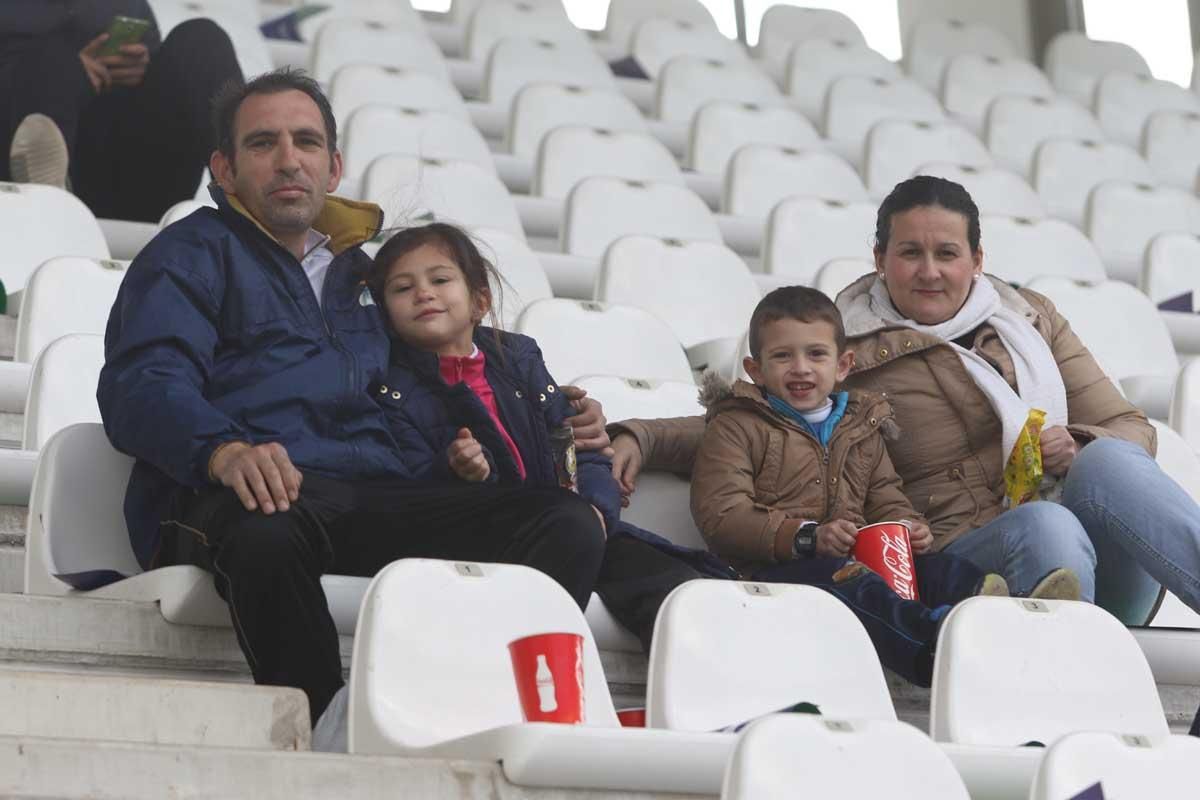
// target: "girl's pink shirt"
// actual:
[[469, 370]]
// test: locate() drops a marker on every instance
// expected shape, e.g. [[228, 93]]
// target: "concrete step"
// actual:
[[113, 708], [69, 769], [12, 569]]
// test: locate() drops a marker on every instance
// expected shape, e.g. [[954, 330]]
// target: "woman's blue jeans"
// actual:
[[1124, 526]]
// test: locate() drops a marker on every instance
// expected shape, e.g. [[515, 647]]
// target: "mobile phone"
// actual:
[[123, 31]]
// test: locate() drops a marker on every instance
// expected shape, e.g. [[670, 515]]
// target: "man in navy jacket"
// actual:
[[238, 358]]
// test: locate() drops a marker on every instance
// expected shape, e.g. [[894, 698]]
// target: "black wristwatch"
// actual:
[[804, 543]]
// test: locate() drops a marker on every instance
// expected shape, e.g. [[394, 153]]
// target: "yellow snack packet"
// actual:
[[1023, 472]]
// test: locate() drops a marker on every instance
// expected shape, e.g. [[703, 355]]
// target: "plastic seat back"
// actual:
[[348, 40], [657, 41], [357, 85], [702, 290], [62, 387], [853, 105], [836, 275], [635, 398], [896, 148], [184, 208], [625, 15], [1066, 170], [933, 43], [571, 153], [601, 210], [784, 26], [759, 642], [413, 190], [40, 223], [501, 19], [1123, 218], [971, 82], [814, 64], [996, 191], [541, 107], [721, 128], [66, 295], [1076, 63], [1125, 101], [1124, 765], [1010, 671], [1169, 271], [522, 279], [1017, 125], [803, 233], [760, 176], [581, 337], [424, 672], [688, 82], [785, 751], [515, 63], [1019, 249], [1171, 146], [374, 130]]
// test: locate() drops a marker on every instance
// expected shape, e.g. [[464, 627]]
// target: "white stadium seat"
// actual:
[[702, 290], [1171, 146], [720, 128], [522, 279], [541, 107], [836, 275], [1017, 125], [516, 63], [1066, 170], [877, 758], [461, 10], [1076, 63], [571, 153], [412, 190], [62, 387], [853, 105], [1010, 671], [1125, 101], [636, 398], [601, 210], [501, 19], [784, 26], [66, 295], [1123, 218], [625, 15], [972, 82], [662, 500], [1184, 415], [356, 41], [995, 191], [1124, 765], [1146, 365], [1169, 269], [688, 82], [896, 148], [814, 64], [40, 223], [762, 175], [657, 40], [727, 634], [184, 208], [375, 130], [933, 43], [804, 233], [588, 338], [400, 15], [435, 680], [357, 85], [1019, 249]]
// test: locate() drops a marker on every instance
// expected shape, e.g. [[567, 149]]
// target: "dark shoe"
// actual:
[[1057, 584]]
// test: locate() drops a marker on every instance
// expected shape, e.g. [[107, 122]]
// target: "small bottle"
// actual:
[[547, 702], [562, 446]]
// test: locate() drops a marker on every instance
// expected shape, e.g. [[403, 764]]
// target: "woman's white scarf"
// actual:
[[1039, 382]]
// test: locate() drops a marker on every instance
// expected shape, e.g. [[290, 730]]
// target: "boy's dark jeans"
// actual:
[[904, 632]]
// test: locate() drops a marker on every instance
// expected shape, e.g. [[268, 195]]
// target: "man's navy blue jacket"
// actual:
[[216, 336]]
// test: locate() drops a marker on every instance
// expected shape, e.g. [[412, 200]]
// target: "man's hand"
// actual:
[[588, 421], [919, 535], [467, 459], [626, 464], [1059, 449], [94, 66], [128, 66], [836, 538], [262, 475]]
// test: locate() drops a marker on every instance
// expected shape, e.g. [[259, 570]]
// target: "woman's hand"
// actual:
[[588, 421], [836, 538], [1058, 450], [919, 536], [466, 458], [93, 65], [127, 67], [626, 464]]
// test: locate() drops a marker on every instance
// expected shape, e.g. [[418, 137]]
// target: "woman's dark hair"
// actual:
[[481, 276], [927, 190]]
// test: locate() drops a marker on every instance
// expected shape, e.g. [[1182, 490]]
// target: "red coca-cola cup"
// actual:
[[549, 671], [886, 549], [632, 717]]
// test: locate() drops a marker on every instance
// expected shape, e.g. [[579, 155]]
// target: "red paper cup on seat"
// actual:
[[549, 671], [632, 717], [886, 549]]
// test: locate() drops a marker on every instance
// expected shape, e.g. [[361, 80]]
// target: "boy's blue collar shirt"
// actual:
[[822, 431]]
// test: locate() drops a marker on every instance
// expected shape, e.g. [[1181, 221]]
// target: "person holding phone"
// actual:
[[92, 98]]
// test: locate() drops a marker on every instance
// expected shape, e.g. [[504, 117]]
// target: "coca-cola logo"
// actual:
[[896, 555]]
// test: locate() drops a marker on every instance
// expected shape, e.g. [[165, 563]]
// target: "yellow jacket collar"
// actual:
[[347, 223]]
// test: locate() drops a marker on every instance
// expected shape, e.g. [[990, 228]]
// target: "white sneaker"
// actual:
[[38, 153]]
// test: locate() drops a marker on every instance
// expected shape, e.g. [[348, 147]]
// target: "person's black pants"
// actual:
[[134, 152], [268, 567]]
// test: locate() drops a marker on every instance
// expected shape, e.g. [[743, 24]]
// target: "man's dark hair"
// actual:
[[799, 303], [231, 96], [927, 190]]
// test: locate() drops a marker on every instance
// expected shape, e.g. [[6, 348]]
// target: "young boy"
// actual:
[[789, 469]]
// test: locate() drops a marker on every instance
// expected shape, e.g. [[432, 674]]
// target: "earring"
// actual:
[[976, 277], [881, 277]]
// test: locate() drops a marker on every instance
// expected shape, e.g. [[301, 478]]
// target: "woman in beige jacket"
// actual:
[[962, 357]]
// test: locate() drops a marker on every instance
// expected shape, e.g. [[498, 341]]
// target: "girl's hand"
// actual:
[[836, 538], [919, 535], [1058, 450], [626, 464], [467, 459]]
